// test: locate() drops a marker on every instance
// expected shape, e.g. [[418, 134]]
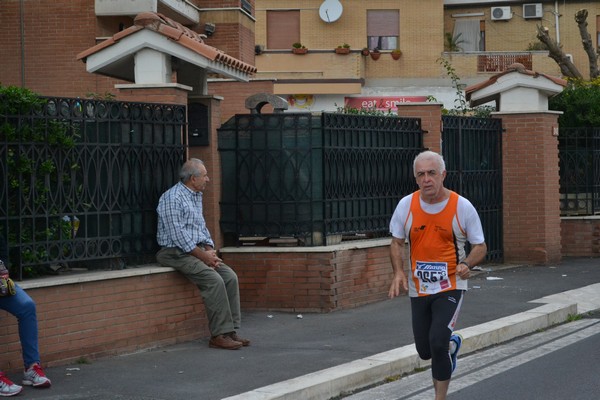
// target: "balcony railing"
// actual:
[[500, 62], [472, 65], [183, 11]]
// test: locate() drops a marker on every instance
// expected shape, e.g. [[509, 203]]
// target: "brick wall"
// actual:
[[159, 95], [55, 31], [113, 314], [580, 237], [235, 94], [312, 279], [234, 30]]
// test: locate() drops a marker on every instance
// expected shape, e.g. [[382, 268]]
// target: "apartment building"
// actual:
[[487, 36], [40, 41]]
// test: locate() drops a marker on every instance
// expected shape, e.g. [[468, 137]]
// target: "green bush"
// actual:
[[580, 104]]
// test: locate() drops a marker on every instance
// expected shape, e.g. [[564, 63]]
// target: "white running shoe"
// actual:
[[7, 387], [34, 376]]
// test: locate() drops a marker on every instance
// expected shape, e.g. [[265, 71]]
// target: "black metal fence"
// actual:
[[315, 178], [80, 180], [367, 169], [579, 163], [472, 150]]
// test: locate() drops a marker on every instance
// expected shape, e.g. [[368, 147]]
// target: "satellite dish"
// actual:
[[330, 10]]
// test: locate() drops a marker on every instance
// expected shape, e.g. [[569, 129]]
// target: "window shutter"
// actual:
[[383, 23], [283, 29]]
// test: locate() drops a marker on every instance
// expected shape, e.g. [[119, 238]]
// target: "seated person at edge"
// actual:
[[186, 246], [23, 308]]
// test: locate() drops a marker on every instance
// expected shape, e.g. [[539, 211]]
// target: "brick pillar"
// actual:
[[173, 93], [212, 160], [431, 121], [531, 187]]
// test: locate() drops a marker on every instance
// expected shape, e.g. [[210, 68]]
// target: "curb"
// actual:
[[335, 381]]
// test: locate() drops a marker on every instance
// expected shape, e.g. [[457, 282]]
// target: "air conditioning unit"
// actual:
[[533, 10], [501, 13]]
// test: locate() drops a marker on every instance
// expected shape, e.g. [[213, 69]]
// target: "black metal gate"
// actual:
[[315, 178], [472, 149]]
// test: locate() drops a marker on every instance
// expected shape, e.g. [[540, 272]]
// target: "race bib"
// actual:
[[432, 276]]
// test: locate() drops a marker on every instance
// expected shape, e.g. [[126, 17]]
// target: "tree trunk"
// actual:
[[567, 68], [588, 46]]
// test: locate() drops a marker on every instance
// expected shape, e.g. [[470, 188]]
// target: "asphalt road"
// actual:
[[562, 362]]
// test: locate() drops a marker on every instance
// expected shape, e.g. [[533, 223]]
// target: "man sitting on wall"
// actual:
[[187, 246]]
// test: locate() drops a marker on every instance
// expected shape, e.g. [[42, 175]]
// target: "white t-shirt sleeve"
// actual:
[[399, 217], [470, 221]]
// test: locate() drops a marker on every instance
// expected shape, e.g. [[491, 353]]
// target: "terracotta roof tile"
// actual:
[[520, 68], [176, 32]]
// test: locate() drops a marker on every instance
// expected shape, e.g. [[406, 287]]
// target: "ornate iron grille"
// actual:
[[367, 164], [81, 180], [314, 178], [579, 165], [472, 150]]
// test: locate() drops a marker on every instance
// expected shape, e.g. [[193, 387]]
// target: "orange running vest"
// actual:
[[433, 246]]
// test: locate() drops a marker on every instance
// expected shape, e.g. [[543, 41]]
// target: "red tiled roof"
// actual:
[[176, 32], [520, 68]]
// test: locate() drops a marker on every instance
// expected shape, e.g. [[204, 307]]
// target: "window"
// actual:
[[246, 6], [471, 33], [383, 29], [283, 29]]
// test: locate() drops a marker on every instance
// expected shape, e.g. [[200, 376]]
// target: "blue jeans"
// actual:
[[23, 307]]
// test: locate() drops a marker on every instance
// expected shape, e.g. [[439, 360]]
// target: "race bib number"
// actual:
[[432, 276]]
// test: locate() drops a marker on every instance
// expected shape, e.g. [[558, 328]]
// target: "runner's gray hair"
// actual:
[[430, 155]]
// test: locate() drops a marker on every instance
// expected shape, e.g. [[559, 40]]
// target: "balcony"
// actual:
[[180, 10], [321, 64], [472, 65]]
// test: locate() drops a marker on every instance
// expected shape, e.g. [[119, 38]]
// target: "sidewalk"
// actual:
[[318, 356]]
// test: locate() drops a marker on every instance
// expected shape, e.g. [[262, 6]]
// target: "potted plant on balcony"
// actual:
[[299, 48], [453, 43], [365, 51], [375, 54], [343, 49], [396, 53]]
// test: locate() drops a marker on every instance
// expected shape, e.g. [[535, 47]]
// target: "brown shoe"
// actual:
[[234, 336], [224, 342]]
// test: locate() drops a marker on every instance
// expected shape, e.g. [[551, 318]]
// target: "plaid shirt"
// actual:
[[180, 220]]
